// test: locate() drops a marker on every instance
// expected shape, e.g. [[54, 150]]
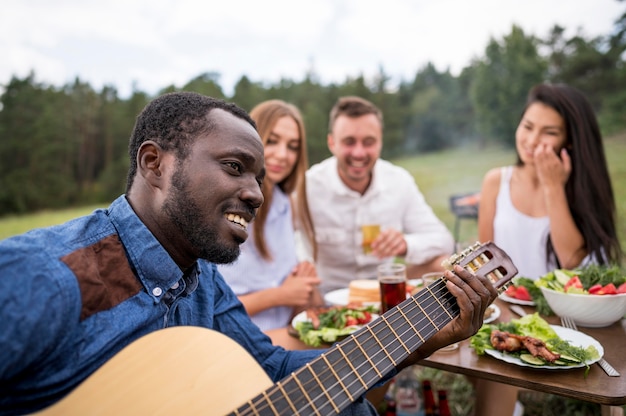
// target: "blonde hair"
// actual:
[[265, 115]]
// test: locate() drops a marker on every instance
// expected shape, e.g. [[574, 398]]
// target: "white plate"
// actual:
[[495, 315], [516, 301], [340, 297], [576, 338]]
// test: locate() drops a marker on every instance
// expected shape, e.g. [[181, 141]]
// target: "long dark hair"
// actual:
[[589, 192]]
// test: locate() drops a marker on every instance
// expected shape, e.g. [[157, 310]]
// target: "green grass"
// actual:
[[18, 224]]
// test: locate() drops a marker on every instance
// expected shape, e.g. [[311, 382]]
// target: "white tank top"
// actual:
[[522, 237]]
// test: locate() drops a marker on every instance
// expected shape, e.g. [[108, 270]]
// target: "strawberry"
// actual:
[[622, 288]]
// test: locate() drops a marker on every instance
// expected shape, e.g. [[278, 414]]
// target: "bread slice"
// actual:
[[364, 291]]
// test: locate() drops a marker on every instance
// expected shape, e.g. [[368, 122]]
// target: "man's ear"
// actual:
[[330, 142], [149, 162]]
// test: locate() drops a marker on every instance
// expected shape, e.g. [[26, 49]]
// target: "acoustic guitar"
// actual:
[[193, 370]]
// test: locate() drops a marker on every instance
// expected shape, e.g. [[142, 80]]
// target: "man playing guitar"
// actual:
[[73, 296]]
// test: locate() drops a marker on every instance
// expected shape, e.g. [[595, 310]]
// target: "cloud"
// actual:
[[153, 44]]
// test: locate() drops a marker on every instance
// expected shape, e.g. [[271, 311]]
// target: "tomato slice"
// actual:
[[522, 293], [609, 289], [573, 282], [595, 289], [510, 291]]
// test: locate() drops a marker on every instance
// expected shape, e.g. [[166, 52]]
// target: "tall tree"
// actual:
[[502, 80]]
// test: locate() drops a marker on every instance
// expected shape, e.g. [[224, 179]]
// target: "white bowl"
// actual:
[[592, 311]]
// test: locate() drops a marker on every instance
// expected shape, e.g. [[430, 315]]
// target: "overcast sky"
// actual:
[[153, 44]]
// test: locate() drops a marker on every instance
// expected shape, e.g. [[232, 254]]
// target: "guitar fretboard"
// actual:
[[347, 370]]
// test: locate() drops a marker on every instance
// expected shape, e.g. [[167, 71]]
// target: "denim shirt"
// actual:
[[73, 295]]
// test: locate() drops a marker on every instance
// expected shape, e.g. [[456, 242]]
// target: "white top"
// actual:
[[522, 237], [392, 200], [251, 273]]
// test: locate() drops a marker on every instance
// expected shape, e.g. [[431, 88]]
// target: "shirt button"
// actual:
[[175, 286], [157, 291]]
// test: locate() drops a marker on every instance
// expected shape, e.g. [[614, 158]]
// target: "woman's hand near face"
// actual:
[[552, 170]]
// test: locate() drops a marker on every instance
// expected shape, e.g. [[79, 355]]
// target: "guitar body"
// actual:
[[178, 370]]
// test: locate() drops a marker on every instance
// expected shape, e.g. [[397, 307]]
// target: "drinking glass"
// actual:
[[370, 232], [392, 280]]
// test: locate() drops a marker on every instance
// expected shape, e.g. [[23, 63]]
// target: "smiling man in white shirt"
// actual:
[[355, 187]]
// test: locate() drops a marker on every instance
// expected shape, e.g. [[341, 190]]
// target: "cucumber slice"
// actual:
[[531, 359], [565, 357], [561, 276]]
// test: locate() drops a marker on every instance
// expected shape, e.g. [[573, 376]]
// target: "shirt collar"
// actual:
[[155, 268], [339, 187]]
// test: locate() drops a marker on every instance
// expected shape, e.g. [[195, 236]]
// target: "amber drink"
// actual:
[[370, 232]]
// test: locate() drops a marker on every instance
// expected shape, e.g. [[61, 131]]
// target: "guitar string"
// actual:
[[423, 306]]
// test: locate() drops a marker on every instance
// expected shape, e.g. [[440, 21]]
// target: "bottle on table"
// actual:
[[444, 409], [390, 410], [430, 406]]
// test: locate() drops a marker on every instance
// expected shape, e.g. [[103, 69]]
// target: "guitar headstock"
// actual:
[[486, 260]]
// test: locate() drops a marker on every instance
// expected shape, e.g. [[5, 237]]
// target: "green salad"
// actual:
[[334, 323], [534, 326]]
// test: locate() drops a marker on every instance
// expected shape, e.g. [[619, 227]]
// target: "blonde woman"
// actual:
[[268, 278]]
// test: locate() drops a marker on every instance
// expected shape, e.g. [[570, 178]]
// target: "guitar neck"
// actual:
[[347, 370]]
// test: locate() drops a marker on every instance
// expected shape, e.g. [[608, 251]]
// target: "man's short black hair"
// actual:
[[174, 120]]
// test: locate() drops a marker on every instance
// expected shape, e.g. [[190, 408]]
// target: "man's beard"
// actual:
[[185, 214]]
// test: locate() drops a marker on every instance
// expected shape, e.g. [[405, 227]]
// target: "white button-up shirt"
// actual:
[[392, 200]]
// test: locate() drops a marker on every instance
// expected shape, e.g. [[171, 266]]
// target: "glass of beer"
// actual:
[[370, 232], [392, 280]]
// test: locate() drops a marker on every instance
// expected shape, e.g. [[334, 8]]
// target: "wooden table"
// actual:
[[597, 387]]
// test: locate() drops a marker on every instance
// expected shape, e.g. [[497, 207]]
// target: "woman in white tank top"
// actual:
[[555, 208]]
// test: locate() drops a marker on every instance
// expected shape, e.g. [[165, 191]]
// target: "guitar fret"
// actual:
[[414, 300], [367, 357], [287, 398], [426, 314], [396, 334], [339, 381], [304, 392], [270, 402], [443, 307], [382, 347], [330, 399], [429, 326], [411, 324], [354, 370]]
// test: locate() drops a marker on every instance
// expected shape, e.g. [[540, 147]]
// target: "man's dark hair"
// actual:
[[173, 121], [353, 106]]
